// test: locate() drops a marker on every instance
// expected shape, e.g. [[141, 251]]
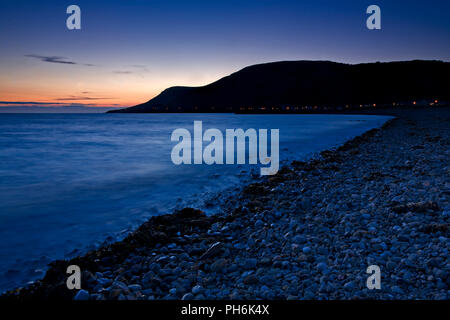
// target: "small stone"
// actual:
[[259, 224], [188, 296], [114, 293], [135, 287], [250, 279], [349, 285], [299, 239], [197, 289], [155, 267], [82, 295], [251, 263], [397, 289], [219, 265], [322, 266]]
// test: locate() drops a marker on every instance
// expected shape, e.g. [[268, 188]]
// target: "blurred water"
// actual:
[[70, 181]]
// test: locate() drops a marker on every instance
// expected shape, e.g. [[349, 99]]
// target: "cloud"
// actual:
[[140, 67], [49, 104], [51, 59], [28, 103], [56, 59], [72, 98], [65, 102], [123, 72], [136, 69], [80, 108]]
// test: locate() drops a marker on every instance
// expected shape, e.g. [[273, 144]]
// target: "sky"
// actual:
[[129, 51]]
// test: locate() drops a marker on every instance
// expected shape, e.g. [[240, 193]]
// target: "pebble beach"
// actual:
[[307, 233]]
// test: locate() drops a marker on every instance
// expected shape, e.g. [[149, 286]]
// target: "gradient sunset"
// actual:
[[129, 51]]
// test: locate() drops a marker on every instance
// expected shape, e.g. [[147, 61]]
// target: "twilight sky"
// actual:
[[128, 51]]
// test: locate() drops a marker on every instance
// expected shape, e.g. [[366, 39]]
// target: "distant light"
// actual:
[[414, 102], [435, 101]]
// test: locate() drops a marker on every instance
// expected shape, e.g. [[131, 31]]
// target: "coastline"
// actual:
[[308, 232]]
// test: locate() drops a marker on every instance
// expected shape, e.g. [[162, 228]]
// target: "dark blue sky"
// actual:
[[128, 51]]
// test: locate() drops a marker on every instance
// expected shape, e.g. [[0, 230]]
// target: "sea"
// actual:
[[73, 182]]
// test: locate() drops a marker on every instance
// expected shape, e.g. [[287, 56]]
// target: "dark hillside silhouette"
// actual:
[[292, 85]]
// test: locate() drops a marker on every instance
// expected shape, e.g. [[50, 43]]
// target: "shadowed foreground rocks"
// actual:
[[309, 232]]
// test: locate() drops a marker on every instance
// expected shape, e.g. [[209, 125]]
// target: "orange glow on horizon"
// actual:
[[119, 98], [85, 87]]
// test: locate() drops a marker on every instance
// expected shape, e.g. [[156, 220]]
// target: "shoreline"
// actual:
[[290, 231]]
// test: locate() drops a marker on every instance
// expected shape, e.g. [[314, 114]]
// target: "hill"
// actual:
[[296, 84]]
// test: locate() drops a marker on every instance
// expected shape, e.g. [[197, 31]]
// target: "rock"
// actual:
[[219, 265], [155, 267], [162, 259], [120, 285], [88, 277], [264, 288], [147, 292], [82, 295], [308, 294], [299, 239], [188, 296], [397, 289], [114, 294], [251, 263], [416, 207], [322, 266], [150, 281], [197, 289], [306, 250], [250, 279], [349, 285], [104, 282], [259, 224], [239, 246], [135, 287]]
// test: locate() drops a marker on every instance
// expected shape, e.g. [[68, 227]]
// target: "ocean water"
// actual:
[[70, 182]]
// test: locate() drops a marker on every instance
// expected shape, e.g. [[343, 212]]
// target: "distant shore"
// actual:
[[377, 110], [308, 232]]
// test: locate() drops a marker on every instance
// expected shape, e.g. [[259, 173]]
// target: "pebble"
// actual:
[[82, 295], [306, 250], [197, 289]]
